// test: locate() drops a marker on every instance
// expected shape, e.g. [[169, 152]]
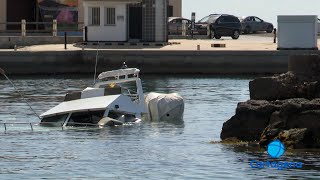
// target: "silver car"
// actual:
[[252, 24], [175, 25]]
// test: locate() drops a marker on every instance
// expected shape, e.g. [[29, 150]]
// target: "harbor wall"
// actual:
[[148, 61]]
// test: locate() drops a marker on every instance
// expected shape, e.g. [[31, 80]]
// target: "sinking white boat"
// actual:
[[116, 99]]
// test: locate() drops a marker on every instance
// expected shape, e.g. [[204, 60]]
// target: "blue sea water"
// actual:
[[155, 150]]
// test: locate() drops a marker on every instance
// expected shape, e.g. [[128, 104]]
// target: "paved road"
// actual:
[[245, 42]]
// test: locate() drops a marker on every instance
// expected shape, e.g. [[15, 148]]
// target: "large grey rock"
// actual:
[[285, 107], [296, 123], [250, 120], [260, 120]]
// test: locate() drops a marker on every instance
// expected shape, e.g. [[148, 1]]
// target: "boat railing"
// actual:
[[31, 125], [114, 81], [131, 93], [120, 74], [6, 125]]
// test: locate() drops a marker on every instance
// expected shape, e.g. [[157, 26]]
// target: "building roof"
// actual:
[[96, 103]]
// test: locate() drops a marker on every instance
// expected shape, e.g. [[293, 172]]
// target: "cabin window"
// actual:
[[122, 117], [114, 114], [54, 120], [109, 16], [88, 118], [94, 16]]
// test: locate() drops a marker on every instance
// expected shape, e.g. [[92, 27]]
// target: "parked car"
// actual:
[[253, 24], [175, 25], [219, 25]]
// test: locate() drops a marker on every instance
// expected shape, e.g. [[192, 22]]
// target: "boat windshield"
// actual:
[[87, 118], [125, 88], [54, 120]]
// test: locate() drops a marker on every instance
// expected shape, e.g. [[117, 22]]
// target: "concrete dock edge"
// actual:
[[148, 61]]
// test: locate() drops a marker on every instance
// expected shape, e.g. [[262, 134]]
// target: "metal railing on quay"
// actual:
[[53, 28]]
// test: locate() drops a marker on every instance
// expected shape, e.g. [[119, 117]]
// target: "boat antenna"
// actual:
[[21, 95], [95, 67]]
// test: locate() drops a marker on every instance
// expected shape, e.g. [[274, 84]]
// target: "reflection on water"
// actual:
[[150, 150]]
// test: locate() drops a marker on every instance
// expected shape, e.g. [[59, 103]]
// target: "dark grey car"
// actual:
[[252, 24], [219, 25]]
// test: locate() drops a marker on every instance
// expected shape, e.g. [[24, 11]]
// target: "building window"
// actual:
[[109, 16], [94, 16]]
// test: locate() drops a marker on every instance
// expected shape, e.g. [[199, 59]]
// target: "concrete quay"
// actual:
[[243, 56], [8, 42]]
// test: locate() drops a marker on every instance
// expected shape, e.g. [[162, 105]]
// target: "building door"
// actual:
[[170, 11], [21, 9], [135, 22]]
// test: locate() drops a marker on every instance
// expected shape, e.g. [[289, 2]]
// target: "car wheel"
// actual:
[[217, 36], [236, 34], [270, 29], [247, 30]]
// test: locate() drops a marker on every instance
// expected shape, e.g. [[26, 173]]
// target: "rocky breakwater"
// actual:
[[285, 107]]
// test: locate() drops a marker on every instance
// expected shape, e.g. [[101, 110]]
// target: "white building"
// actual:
[[125, 20]]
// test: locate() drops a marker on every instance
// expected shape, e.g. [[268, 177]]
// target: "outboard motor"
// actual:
[[165, 107]]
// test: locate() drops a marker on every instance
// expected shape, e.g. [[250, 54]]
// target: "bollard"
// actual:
[[65, 40], [86, 34], [82, 46], [274, 35], [184, 28], [54, 28], [15, 47], [23, 27], [198, 47]]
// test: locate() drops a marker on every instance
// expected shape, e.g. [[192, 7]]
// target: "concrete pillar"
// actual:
[[148, 20], [3, 14], [184, 28], [307, 65], [80, 12], [177, 7], [23, 28], [54, 28], [161, 20]]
